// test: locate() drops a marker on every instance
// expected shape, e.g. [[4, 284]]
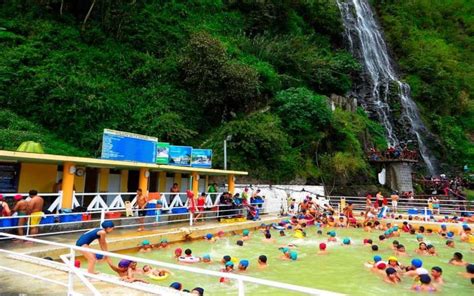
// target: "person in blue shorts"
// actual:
[[87, 238]]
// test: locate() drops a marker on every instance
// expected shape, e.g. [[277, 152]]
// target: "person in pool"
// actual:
[[466, 234], [346, 241], [163, 244], [401, 251], [416, 268], [245, 235], [424, 285], [419, 238], [450, 243], [368, 242], [393, 263], [322, 249], [145, 246], [431, 250], [378, 265], [469, 274], [262, 262], [206, 258], [225, 259], [437, 275], [125, 270], [457, 260], [375, 248], [332, 236], [198, 291], [282, 233], [395, 244], [268, 238], [243, 265], [443, 230], [391, 276], [210, 238], [368, 227], [422, 250], [178, 252], [148, 270], [87, 238]]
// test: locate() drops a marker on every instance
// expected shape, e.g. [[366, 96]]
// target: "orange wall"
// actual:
[[41, 177]]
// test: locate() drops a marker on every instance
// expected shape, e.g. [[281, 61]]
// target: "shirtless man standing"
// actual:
[[141, 204], [394, 197], [35, 210], [22, 209]]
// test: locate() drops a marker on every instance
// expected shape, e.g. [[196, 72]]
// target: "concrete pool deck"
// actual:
[[119, 239]]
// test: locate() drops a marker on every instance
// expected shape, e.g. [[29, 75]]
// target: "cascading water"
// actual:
[[366, 43]]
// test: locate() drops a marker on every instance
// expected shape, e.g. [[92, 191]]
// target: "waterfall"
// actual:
[[365, 41]]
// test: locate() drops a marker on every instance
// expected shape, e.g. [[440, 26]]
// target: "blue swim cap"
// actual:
[[107, 224], [290, 227], [159, 202], [450, 234], [245, 232], [124, 263], [229, 263], [346, 241], [465, 226], [332, 233], [395, 228], [418, 236], [176, 285], [417, 262], [293, 255], [206, 256], [443, 226], [163, 240], [244, 263], [145, 242], [208, 236], [99, 256], [377, 258], [285, 250]]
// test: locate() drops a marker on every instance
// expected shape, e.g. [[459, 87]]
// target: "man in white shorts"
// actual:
[[394, 197]]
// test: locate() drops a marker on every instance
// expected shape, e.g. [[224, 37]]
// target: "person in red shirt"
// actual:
[[201, 201]]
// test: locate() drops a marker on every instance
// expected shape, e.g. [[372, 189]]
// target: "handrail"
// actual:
[[239, 278]]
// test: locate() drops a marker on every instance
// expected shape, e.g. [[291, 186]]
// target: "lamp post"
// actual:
[[228, 138]]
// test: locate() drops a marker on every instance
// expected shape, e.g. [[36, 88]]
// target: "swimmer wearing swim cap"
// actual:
[[145, 246], [346, 241], [178, 252], [206, 258], [95, 234], [243, 264]]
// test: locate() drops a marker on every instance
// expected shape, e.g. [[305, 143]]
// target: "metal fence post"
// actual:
[[102, 215], [190, 218], [70, 283], [28, 226], [241, 287]]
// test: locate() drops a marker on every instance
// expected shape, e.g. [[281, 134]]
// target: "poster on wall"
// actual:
[[118, 145], [180, 155], [201, 158], [9, 178], [162, 153]]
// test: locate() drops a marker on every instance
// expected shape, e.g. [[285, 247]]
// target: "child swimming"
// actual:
[[424, 285], [437, 275], [178, 252], [243, 265], [145, 247], [421, 249], [457, 260], [163, 244], [401, 250], [395, 244], [210, 238], [245, 235], [206, 258], [148, 270], [268, 238], [282, 233], [374, 248], [262, 261], [450, 243], [125, 270], [346, 241], [332, 236], [431, 250], [391, 276], [322, 249]]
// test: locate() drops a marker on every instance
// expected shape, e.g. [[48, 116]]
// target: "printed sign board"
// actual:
[[162, 153], [201, 158], [180, 155], [117, 145]]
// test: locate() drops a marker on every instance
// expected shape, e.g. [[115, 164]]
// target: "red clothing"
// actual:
[[200, 203]]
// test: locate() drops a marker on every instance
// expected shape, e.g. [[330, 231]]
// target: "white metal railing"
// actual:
[[127, 218], [241, 279]]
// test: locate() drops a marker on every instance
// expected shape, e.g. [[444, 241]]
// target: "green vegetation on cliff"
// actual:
[[433, 42], [189, 72]]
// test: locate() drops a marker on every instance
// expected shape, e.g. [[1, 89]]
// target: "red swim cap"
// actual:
[[178, 252], [322, 246]]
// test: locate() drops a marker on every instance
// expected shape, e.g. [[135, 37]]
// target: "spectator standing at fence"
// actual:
[[4, 208], [141, 206], [368, 202], [201, 201], [394, 197], [21, 209], [36, 207], [174, 188], [435, 204], [379, 198], [212, 188]]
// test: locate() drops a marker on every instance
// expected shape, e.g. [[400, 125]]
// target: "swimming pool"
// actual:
[[341, 270]]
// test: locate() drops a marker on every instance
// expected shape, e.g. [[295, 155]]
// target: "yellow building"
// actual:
[[48, 173]]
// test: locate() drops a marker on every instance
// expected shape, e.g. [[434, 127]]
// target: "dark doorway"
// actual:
[[133, 181], [92, 177]]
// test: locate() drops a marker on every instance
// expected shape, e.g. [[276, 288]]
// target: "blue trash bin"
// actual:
[[49, 219], [6, 222], [151, 209]]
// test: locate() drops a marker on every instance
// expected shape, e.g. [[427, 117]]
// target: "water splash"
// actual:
[[366, 43]]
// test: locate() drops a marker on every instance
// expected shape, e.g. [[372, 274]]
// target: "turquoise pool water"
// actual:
[[341, 270]]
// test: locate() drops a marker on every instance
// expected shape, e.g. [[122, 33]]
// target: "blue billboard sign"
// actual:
[[180, 155], [201, 158], [117, 145]]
